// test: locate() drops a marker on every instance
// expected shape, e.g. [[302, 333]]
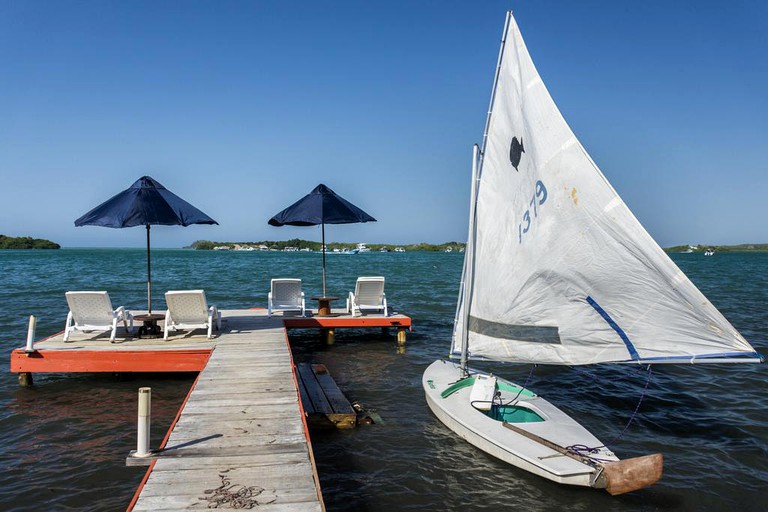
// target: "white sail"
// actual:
[[563, 272]]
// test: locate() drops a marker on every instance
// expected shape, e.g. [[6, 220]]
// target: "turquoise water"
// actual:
[[63, 442]]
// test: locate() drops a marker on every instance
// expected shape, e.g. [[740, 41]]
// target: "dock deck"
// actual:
[[241, 438], [242, 426]]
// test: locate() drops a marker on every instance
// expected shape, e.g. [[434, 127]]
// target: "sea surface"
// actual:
[[63, 442]]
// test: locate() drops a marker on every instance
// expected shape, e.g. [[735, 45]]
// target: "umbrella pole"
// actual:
[[323, 249], [149, 276]]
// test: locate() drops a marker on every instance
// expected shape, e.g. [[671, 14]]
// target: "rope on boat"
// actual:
[[497, 402], [637, 407], [586, 451], [522, 388]]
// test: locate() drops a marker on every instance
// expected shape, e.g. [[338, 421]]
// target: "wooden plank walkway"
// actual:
[[241, 434]]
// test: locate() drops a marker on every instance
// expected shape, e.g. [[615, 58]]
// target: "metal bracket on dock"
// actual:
[[134, 460]]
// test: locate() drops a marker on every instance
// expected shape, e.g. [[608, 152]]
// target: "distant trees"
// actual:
[[26, 242], [299, 244]]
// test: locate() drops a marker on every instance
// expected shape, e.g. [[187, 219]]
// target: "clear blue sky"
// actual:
[[243, 107]]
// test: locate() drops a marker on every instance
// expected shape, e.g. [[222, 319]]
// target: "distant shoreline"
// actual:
[[688, 249], [307, 245], [26, 242]]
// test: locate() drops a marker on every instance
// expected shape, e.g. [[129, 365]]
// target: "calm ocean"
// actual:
[[63, 442]]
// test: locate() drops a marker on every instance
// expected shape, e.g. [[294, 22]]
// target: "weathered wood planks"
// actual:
[[241, 433], [324, 403]]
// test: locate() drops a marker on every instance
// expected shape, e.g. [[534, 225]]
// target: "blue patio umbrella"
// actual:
[[321, 206], [145, 203]]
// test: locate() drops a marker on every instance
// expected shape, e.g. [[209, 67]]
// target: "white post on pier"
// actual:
[[31, 334], [145, 405]]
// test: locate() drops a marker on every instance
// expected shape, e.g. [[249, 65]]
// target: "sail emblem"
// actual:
[[516, 151]]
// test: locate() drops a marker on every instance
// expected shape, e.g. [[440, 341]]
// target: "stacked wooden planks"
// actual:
[[324, 403]]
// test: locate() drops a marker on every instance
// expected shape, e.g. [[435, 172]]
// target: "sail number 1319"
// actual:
[[538, 198]]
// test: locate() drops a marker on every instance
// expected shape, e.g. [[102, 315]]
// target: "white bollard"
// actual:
[[31, 334], [145, 405]]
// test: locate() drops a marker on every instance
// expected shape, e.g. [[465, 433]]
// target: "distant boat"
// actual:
[[448, 249], [363, 247], [383, 249], [709, 252], [399, 249], [343, 251]]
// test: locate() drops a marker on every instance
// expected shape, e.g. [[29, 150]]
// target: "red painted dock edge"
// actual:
[[163, 360], [339, 322], [162, 446], [97, 361]]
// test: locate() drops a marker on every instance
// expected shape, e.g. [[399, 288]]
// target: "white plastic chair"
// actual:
[[92, 311], [188, 309], [285, 295], [368, 295]]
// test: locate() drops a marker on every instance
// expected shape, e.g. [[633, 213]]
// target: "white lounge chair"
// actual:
[[188, 309], [285, 295], [92, 311], [368, 295]]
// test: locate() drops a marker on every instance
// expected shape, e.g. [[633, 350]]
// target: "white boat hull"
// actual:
[[491, 436]]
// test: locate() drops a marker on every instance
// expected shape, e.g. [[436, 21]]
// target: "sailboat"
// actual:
[[558, 271]]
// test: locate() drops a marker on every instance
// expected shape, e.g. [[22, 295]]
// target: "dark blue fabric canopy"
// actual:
[[321, 206], [146, 202]]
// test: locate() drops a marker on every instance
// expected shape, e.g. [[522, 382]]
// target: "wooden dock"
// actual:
[[241, 434], [241, 438]]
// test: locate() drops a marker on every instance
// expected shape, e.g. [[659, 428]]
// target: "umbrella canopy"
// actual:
[[144, 203], [321, 206]]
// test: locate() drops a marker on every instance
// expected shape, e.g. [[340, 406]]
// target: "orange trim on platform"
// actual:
[[335, 322], [96, 361]]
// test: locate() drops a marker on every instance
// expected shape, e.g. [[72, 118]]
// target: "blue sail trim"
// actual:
[[630, 347]]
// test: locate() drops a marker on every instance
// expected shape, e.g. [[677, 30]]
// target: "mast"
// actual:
[[469, 263], [477, 167]]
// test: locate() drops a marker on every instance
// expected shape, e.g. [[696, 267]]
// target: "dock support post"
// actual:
[[145, 405], [330, 336], [25, 379], [401, 336]]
